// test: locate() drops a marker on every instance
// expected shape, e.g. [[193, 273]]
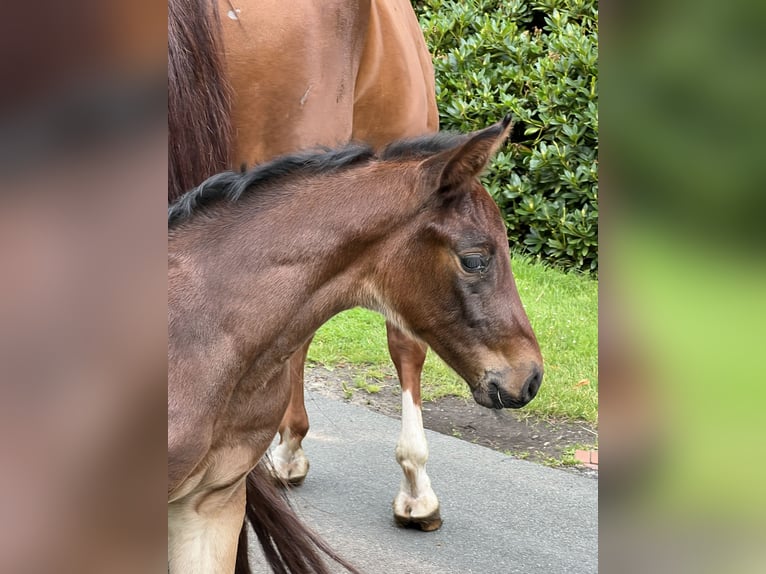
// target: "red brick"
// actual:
[[588, 458]]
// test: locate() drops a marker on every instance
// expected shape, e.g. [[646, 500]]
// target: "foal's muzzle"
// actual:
[[493, 392]]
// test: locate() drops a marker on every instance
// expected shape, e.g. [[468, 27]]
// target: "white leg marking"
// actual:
[[203, 531], [416, 498], [289, 460]]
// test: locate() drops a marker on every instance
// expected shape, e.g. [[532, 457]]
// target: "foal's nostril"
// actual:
[[532, 384]]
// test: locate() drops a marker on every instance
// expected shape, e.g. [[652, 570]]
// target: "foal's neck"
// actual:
[[279, 267]]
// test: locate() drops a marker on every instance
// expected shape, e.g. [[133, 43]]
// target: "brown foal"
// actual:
[[257, 261], [336, 71], [360, 71]]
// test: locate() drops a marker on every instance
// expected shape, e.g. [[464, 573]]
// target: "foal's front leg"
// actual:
[[416, 504], [203, 530], [289, 460]]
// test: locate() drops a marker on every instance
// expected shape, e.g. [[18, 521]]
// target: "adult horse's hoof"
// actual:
[[421, 512], [424, 523], [289, 468], [288, 482]]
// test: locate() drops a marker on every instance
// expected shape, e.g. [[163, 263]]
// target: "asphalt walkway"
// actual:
[[501, 515]]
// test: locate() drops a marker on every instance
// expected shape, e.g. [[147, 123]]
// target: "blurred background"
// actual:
[[82, 287], [683, 287]]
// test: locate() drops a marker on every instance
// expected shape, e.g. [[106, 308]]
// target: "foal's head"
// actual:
[[463, 300]]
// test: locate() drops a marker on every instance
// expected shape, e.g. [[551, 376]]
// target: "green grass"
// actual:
[[563, 310]]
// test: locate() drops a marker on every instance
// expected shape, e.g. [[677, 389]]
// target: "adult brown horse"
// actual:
[[297, 75], [257, 261]]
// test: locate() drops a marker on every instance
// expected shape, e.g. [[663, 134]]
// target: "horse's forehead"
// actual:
[[485, 209], [475, 218]]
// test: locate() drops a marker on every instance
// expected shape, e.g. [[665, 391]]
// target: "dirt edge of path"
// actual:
[[512, 432]]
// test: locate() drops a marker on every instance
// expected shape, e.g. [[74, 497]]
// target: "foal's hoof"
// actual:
[[425, 523]]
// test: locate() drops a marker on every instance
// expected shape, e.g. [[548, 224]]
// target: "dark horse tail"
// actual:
[[199, 97], [288, 544]]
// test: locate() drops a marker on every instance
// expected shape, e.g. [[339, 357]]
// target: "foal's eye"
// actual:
[[474, 262]]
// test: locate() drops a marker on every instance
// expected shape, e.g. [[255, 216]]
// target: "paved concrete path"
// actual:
[[501, 515]]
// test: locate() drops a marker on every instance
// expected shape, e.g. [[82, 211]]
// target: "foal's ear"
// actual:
[[452, 168]]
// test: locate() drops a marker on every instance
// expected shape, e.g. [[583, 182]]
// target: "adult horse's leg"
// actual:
[[395, 98], [289, 460], [203, 531], [416, 504]]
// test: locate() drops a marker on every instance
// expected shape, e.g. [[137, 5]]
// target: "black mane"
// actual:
[[423, 146], [230, 186]]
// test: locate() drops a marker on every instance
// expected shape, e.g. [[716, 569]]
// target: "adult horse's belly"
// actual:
[[313, 72], [292, 67], [394, 91]]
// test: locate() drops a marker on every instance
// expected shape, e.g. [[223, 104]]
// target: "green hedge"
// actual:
[[537, 59]]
